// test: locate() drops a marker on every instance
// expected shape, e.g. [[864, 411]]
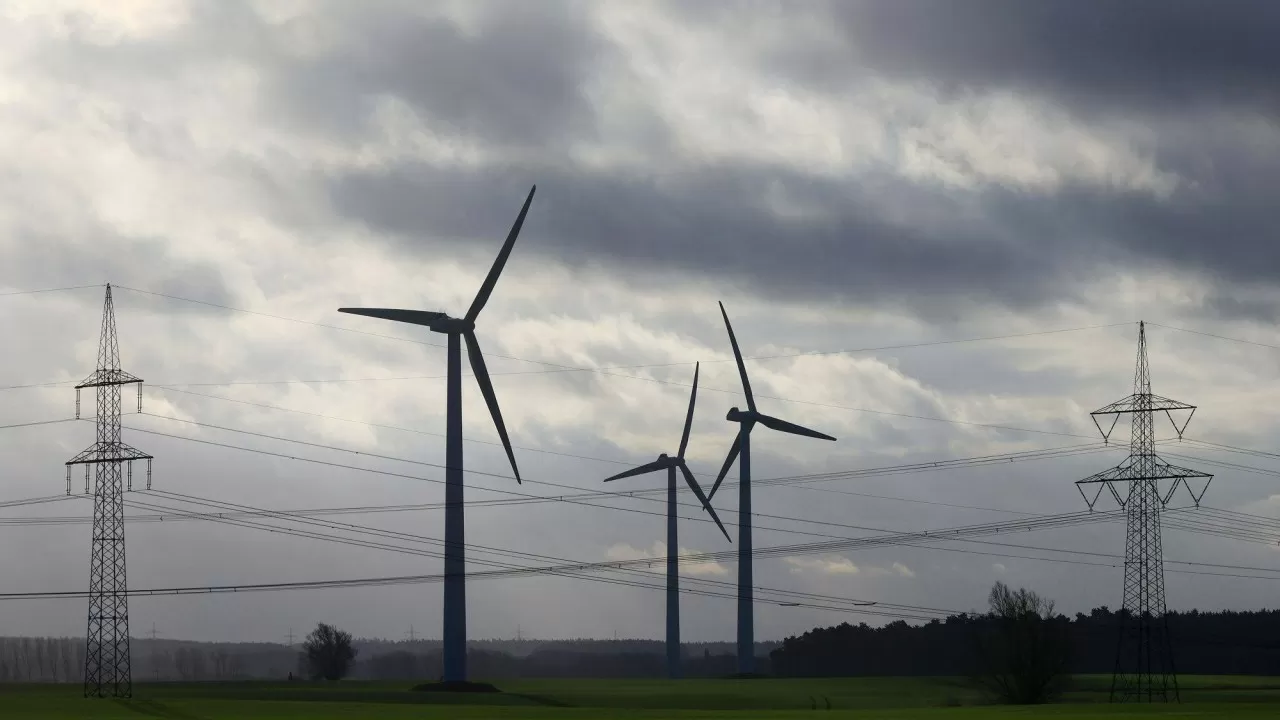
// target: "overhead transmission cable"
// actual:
[[790, 480], [567, 568], [530, 497], [558, 367]]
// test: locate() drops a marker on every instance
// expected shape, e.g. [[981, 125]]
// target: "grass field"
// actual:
[[863, 698]]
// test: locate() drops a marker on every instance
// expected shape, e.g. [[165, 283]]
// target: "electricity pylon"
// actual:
[[107, 670], [1144, 655]]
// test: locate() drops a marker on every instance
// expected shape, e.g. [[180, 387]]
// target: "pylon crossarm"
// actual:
[[104, 378], [1167, 470], [1130, 471], [1123, 471], [1141, 403], [1116, 494], [1183, 429], [86, 456], [1184, 476], [117, 452], [1160, 402], [1197, 498], [1079, 486], [1121, 406], [1106, 434]]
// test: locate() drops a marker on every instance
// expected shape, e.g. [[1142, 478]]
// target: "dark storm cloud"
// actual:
[[519, 80], [715, 222], [1150, 55]]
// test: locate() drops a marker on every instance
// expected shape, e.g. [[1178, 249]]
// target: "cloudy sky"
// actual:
[[844, 176]]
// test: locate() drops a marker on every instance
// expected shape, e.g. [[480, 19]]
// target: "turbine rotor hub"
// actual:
[[451, 325]]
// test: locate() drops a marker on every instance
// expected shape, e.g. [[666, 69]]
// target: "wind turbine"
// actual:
[[671, 465], [742, 447], [463, 328]]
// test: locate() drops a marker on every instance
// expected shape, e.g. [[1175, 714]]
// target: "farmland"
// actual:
[[1203, 697]]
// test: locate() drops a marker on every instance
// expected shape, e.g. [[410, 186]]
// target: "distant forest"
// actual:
[[45, 659], [1216, 643], [1204, 643]]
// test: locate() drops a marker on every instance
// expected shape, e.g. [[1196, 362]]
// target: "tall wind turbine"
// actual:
[[671, 465], [463, 328], [742, 447]]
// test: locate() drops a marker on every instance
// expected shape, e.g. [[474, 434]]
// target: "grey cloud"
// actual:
[[1150, 55], [519, 80], [107, 257], [713, 222], [1022, 249]]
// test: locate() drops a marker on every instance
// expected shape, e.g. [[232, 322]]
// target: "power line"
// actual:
[[564, 369], [889, 538], [908, 539], [592, 493], [1218, 337], [568, 568], [571, 499], [616, 565], [276, 317], [1234, 448], [37, 423], [411, 430], [55, 383], [568, 368], [944, 464], [11, 293], [831, 406], [397, 580], [509, 552], [36, 501]]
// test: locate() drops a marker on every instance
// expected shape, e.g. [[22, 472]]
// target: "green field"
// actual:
[[864, 698]]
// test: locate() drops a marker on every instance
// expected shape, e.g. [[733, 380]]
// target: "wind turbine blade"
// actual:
[[706, 503], [728, 463], [688, 420], [774, 423], [737, 355], [486, 289], [641, 470], [486, 388], [413, 317]]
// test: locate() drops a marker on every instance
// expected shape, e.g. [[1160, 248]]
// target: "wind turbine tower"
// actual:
[[742, 450], [672, 465], [458, 330]]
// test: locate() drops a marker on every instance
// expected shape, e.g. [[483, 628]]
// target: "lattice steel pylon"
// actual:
[[1144, 668], [107, 670]]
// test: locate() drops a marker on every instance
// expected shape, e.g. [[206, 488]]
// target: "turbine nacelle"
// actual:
[[675, 464], [465, 328], [749, 418], [452, 325]]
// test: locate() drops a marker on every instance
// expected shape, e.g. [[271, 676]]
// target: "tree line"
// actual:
[[1229, 642], [61, 659], [991, 648]]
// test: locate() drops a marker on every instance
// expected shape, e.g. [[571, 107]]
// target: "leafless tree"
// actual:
[[1022, 646]]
